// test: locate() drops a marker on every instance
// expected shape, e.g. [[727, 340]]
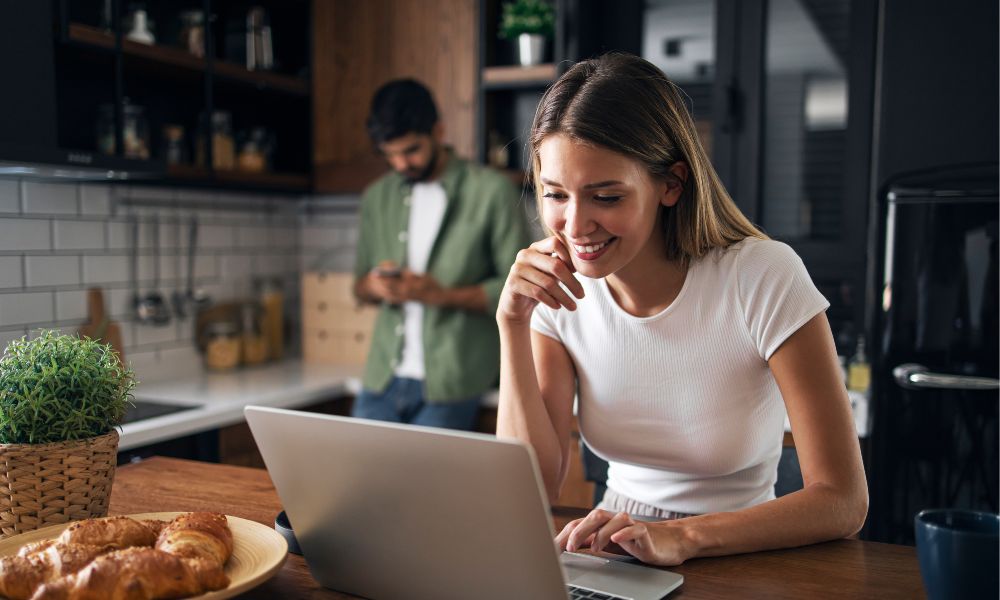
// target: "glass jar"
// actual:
[[221, 134], [135, 130], [192, 34], [174, 150], [255, 151], [222, 346], [255, 345]]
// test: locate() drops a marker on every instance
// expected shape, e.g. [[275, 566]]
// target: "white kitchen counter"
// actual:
[[221, 397]]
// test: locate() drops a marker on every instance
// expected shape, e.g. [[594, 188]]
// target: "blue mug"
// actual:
[[959, 553]]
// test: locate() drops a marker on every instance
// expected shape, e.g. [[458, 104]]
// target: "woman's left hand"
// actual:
[[657, 543]]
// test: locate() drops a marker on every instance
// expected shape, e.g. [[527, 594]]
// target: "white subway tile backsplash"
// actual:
[[215, 236], [153, 334], [78, 235], [235, 267], [72, 305], [49, 198], [24, 308], [105, 269], [25, 234], [207, 265], [269, 264], [119, 235], [283, 238], [10, 196], [119, 303], [11, 272], [252, 237], [318, 236], [52, 270], [95, 199]]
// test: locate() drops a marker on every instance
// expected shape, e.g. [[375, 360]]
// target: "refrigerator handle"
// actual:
[[914, 376]]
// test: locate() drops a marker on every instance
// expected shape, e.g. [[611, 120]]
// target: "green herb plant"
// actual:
[[527, 16], [56, 388]]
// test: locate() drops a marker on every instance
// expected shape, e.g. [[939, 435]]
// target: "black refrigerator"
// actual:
[[934, 440], [931, 294]]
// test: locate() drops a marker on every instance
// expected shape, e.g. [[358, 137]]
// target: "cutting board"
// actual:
[[100, 327]]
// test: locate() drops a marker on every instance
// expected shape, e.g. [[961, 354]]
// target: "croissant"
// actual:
[[38, 563], [198, 535], [137, 574], [118, 532]]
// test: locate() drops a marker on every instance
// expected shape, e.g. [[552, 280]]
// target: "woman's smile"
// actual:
[[592, 250]]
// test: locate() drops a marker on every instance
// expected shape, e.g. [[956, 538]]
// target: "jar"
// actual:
[[220, 132], [174, 150], [135, 130], [255, 151], [255, 346], [273, 320], [222, 346], [192, 35]]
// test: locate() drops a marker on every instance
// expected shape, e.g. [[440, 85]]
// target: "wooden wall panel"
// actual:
[[358, 46]]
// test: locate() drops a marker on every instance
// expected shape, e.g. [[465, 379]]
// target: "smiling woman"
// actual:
[[684, 333]]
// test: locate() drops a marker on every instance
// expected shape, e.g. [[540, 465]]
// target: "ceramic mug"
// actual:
[[959, 553]]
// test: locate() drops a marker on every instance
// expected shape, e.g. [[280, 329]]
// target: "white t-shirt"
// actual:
[[682, 404], [427, 204]]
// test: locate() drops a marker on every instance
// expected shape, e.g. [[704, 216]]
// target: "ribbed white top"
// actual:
[[682, 404]]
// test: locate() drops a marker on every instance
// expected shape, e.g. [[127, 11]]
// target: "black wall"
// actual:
[[939, 85]]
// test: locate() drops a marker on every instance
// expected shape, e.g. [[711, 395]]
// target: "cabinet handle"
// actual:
[[914, 376]]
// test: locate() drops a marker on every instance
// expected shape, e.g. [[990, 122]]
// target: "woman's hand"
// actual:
[[534, 278], [660, 543]]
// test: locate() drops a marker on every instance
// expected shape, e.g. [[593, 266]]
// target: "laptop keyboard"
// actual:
[[579, 593]]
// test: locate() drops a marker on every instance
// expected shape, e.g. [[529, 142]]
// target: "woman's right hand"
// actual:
[[534, 278]]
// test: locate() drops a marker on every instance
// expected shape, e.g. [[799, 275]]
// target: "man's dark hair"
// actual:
[[400, 107]]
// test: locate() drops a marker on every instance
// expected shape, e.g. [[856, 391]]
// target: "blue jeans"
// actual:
[[403, 402]]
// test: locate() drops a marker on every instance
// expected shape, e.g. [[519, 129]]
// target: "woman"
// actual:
[[684, 332]]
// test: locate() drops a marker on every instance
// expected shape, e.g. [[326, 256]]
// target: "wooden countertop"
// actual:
[[840, 569]]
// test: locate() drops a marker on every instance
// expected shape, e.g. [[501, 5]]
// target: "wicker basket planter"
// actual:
[[49, 484]]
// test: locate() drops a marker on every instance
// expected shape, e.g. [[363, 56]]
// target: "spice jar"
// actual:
[[173, 145], [135, 130], [192, 35], [255, 346], [273, 320], [221, 134], [223, 348]]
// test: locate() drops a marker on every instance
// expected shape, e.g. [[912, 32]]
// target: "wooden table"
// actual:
[[841, 569]]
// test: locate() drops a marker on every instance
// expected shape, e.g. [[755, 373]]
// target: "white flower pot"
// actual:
[[530, 49]]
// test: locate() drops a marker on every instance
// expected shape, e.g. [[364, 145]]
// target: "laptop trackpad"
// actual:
[[618, 578]]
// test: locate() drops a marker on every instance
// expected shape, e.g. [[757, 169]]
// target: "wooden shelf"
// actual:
[[511, 77], [167, 57], [200, 175]]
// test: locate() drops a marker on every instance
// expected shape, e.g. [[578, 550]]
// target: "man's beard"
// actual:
[[425, 173]]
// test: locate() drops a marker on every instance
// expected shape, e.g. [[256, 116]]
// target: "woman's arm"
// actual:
[[537, 379], [833, 503]]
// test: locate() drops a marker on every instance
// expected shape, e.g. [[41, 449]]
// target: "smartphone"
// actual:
[[388, 271]]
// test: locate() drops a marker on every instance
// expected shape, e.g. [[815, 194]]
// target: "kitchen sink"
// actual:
[[144, 409]]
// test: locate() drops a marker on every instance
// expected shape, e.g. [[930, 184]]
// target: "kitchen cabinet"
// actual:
[[508, 93], [155, 99], [357, 47]]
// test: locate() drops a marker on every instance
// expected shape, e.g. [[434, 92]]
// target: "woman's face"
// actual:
[[603, 205]]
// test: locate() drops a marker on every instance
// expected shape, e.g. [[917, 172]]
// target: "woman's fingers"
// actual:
[[548, 284], [605, 534], [551, 256], [587, 527]]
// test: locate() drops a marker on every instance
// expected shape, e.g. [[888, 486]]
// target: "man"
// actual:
[[438, 237]]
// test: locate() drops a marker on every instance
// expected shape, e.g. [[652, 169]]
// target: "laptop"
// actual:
[[387, 511]]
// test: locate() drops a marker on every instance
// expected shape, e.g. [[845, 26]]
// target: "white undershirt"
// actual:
[[427, 203], [682, 403]]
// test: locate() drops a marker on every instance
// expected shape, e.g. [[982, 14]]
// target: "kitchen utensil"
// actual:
[[192, 299], [151, 309], [100, 327]]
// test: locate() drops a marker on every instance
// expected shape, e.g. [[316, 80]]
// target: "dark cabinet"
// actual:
[[189, 95]]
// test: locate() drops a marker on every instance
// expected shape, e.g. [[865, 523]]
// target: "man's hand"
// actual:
[[420, 288]]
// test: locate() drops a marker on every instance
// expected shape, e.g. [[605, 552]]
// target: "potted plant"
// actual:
[[531, 22], [61, 398]]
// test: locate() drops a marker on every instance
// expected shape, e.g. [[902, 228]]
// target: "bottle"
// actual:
[[273, 319], [140, 31], [859, 370]]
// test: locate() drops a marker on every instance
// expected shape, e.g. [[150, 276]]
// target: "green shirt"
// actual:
[[482, 230]]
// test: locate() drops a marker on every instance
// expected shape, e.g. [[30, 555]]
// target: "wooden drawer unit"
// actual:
[[335, 329]]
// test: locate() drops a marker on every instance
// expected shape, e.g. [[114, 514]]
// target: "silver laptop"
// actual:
[[388, 511]]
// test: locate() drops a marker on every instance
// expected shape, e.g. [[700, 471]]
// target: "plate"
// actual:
[[258, 551]]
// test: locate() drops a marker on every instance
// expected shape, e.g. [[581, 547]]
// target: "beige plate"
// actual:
[[258, 551]]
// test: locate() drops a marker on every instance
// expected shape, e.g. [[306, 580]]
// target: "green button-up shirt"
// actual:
[[482, 230]]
